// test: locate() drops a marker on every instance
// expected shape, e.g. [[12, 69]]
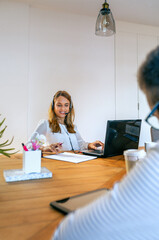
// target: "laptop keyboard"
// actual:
[[96, 151]]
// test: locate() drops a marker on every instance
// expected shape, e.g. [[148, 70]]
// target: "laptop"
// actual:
[[120, 136]]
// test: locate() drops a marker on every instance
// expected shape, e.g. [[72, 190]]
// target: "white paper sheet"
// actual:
[[70, 157]]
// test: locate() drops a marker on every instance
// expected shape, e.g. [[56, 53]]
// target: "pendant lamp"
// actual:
[[105, 24]]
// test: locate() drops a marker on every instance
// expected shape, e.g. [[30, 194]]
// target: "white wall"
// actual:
[[47, 51], [14, 70], [65, 54], [133, 42], [43, 51]]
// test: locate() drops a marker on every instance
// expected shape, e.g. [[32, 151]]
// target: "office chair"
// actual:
[[154, 134]]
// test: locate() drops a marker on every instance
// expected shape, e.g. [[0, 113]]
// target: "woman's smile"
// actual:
[[62, 106]]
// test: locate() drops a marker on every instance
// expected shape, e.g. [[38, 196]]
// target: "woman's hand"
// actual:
[[95, 145], [53, 148]]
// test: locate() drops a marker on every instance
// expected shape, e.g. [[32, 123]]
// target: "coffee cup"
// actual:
[[149, 145], [132, 156]]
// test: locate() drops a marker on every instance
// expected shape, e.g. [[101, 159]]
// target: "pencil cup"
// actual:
[[32, 161], [132, 156]]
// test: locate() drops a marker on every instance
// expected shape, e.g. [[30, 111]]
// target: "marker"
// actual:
[[58, 145], [24, 147]]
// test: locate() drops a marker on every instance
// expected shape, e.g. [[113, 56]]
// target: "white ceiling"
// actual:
[[136, 11]]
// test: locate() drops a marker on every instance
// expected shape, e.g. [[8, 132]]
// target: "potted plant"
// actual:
[[3, 150]]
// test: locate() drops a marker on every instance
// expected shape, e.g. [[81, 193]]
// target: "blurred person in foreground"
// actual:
[[131, 209]]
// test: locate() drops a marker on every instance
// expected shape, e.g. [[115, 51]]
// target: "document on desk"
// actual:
[[70, 157]]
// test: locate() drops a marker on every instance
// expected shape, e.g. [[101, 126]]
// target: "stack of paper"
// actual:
[[70, 157]]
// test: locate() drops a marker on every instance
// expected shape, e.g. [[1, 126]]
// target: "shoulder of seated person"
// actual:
[[43, 121], [75, 126]]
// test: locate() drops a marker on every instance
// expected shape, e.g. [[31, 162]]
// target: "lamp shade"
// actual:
[[105, 24]]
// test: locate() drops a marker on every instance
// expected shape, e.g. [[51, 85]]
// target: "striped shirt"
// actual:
[[130, 211]]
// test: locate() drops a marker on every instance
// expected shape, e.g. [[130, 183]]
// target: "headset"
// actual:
[[71, 105]]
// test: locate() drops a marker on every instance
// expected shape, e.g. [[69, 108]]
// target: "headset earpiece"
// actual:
[[53, 104], [71, 105]]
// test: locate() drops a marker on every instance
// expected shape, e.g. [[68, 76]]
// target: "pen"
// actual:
[[24, 147], [58, 144]]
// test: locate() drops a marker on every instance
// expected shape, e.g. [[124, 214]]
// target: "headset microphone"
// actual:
[[67, 113]]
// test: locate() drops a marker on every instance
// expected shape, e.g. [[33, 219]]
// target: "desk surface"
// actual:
[[24, 206]]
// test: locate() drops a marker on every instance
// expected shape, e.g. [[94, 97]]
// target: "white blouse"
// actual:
[[70, 141]]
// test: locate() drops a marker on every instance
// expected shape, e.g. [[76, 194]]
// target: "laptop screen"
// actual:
[[121, 135]]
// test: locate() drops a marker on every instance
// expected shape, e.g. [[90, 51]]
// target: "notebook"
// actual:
[[120, 135]]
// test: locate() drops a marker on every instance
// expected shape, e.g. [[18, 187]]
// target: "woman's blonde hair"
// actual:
[[53, 123]]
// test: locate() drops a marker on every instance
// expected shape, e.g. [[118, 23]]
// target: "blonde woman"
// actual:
[[60, 132]]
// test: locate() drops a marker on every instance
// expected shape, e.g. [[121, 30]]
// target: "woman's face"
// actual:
[[61, 107]]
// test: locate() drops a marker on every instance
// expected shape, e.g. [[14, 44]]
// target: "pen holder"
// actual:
[[32, 161]]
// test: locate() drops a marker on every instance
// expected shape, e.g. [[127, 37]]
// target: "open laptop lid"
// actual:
[[121, 135]]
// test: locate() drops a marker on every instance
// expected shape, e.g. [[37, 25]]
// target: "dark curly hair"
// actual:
[[148, 75]]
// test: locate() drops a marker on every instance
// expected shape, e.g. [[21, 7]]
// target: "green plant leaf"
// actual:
[[4, 143], [6, 151], [6, 154], [2, 121], [2, 131], [13, 153]]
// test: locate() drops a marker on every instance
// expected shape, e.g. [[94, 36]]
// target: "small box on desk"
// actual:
[[32, 161], [31, 168], [14, 175]]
